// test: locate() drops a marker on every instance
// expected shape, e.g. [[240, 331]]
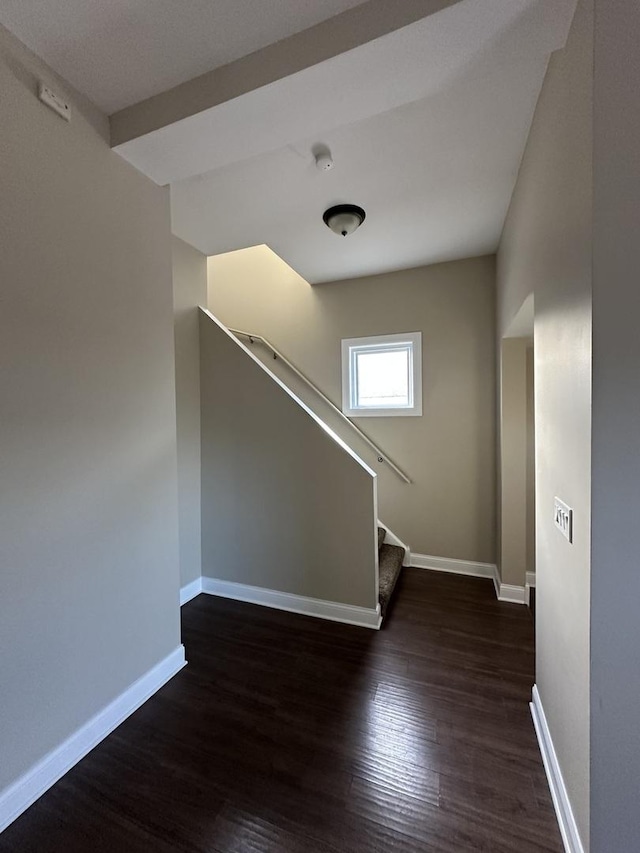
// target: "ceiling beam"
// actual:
[[344, 32]]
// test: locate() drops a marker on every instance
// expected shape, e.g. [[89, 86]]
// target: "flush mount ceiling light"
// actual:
[[343, 219]]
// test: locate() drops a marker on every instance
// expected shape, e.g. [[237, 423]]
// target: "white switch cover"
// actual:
[[563, 518], [48, 97]]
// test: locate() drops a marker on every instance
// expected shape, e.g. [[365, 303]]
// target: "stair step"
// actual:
[[391, 558], [381, 534]]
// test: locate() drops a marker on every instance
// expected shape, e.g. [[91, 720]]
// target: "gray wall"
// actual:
[[284, 507], [546, 249], [449, 452], [531, 462], [189, 291], [513, 461], [615, 586], [88, 498]]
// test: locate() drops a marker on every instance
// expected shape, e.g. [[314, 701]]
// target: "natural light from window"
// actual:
[[382, 378], [382, 375]]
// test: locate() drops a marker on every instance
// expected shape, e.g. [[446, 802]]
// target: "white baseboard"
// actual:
[[529, 584], [561, 803], [454, 567], [504, 591], [31, 785], [362, 616], [190, 591], [508, 592]]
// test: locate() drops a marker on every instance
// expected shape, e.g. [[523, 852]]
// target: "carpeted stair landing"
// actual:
[[390, 559]]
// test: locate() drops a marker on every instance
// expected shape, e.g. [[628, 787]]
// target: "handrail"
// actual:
[[382, 457]]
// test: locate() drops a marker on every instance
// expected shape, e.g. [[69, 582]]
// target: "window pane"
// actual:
[[382, 378]]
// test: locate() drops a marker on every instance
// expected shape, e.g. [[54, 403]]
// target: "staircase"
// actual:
[[303, 541], [391, 557], [390, 560]]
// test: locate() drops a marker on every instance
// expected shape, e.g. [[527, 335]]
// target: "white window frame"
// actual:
[[382, 343]]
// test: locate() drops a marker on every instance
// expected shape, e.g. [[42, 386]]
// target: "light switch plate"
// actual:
[[563, 518]]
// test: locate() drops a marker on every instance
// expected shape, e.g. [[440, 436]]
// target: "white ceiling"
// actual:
[[427, 124], [435, 177], [415, 62], [118, 52]]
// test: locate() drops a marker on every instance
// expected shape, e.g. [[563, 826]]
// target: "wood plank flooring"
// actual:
[[296, 735]]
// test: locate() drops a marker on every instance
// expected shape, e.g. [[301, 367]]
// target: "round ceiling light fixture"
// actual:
[[343, 219]]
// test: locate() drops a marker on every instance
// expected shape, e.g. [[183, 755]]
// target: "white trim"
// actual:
[[508, 592], [504, 591], [559, 795], [529, 584], [332, 610], [391, 538], [376, 550], [412, 341], [453, 567], [15, 799], [190, 591]]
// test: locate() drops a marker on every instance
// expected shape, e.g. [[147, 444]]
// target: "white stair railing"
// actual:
[[381, 456]]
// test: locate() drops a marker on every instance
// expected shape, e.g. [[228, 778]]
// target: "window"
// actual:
[[382, 376]]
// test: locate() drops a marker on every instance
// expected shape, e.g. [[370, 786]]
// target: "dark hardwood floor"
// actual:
[[296, 735]]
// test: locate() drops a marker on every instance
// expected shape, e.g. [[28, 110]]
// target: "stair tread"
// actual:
[[391, 559]]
